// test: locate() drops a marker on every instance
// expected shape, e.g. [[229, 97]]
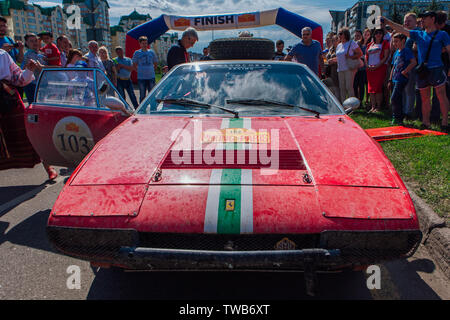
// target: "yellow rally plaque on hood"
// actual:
[[235, 135]]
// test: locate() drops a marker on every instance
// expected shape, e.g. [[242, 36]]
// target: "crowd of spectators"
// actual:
[[387, 77], [377, 66], [44, 52]]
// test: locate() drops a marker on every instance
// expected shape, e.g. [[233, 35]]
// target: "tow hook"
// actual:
[[310, 264], [310, 276]]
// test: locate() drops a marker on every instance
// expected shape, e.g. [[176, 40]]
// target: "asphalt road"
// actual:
[[31, 269]]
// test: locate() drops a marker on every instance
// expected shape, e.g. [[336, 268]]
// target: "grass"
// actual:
[[423, 163], [158, 77]]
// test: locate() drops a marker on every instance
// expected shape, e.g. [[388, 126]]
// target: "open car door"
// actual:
[[71, 114]]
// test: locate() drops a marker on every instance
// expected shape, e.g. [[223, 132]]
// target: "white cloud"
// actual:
[[46, 4]]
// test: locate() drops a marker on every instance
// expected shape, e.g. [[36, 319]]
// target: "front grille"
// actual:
[[363, 247], [86, 243], [224, 242], [370, 247]]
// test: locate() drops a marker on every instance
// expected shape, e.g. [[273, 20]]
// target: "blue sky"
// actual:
[[316, 10]]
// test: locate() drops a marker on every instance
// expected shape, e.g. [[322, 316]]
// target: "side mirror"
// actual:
[[114, 103], [351, 104]]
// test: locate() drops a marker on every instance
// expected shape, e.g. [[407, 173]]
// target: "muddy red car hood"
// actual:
[[328, 168], [332, 150]]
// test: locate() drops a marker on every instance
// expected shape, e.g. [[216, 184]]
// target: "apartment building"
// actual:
[[162, 45], [356, 17], [118, 36], [95, 23], [24, 18]]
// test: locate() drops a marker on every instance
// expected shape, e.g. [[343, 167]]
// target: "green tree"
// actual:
[[416, 10], [434, 6], [396, 16]]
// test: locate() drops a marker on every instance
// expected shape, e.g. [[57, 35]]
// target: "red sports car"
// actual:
[[236, 165]]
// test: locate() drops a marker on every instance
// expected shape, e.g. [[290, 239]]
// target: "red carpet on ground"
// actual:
[[393, 133]]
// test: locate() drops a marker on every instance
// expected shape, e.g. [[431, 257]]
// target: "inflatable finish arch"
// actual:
[[157, 27]]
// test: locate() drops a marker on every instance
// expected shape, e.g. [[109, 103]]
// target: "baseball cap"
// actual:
[[81, 64], [427, 14]]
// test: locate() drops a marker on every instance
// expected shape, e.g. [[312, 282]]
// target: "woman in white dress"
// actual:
[[346, 49]]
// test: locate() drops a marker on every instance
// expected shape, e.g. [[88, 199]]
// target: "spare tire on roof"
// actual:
[[242, 48]]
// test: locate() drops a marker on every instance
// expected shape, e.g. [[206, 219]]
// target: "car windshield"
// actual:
[[249, 89]]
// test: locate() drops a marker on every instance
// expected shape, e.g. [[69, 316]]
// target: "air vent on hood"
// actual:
[[234, 159]]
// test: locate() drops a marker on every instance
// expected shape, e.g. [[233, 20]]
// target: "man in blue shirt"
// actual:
[[403, 62], [32, 43], [145, 62], [124, 66], [15, 50], [441, 24], [307, 51], [94, 60], [409, 98], [436, 76]]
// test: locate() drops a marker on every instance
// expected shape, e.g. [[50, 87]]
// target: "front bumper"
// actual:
[[328, 250], [148, 258]]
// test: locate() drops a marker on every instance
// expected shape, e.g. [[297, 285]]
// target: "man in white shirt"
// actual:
[[93, 58], [11, 72]]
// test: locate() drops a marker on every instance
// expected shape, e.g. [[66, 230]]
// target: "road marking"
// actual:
[[30, 194]]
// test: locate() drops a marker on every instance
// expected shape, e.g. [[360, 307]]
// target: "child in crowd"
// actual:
[[402, 63], [50, 50]]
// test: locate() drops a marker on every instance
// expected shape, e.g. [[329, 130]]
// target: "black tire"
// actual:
[[242, 48]]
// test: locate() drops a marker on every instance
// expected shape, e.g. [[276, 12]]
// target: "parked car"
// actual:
[[233, 165]]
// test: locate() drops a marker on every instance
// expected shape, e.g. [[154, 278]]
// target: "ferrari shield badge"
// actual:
[[229, 205], [285, 244]]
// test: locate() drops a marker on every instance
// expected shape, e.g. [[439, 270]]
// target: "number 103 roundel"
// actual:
[[73, 139]]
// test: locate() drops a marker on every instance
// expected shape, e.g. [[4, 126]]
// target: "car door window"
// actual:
[[67, 88]]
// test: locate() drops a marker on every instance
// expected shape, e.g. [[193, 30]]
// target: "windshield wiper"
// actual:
[[193, 103], [265, 102]]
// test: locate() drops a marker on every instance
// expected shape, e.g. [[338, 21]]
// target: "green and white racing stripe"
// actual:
[[230, 184]]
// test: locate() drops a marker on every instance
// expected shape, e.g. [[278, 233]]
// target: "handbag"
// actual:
[[353, 63], [422, 69]]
